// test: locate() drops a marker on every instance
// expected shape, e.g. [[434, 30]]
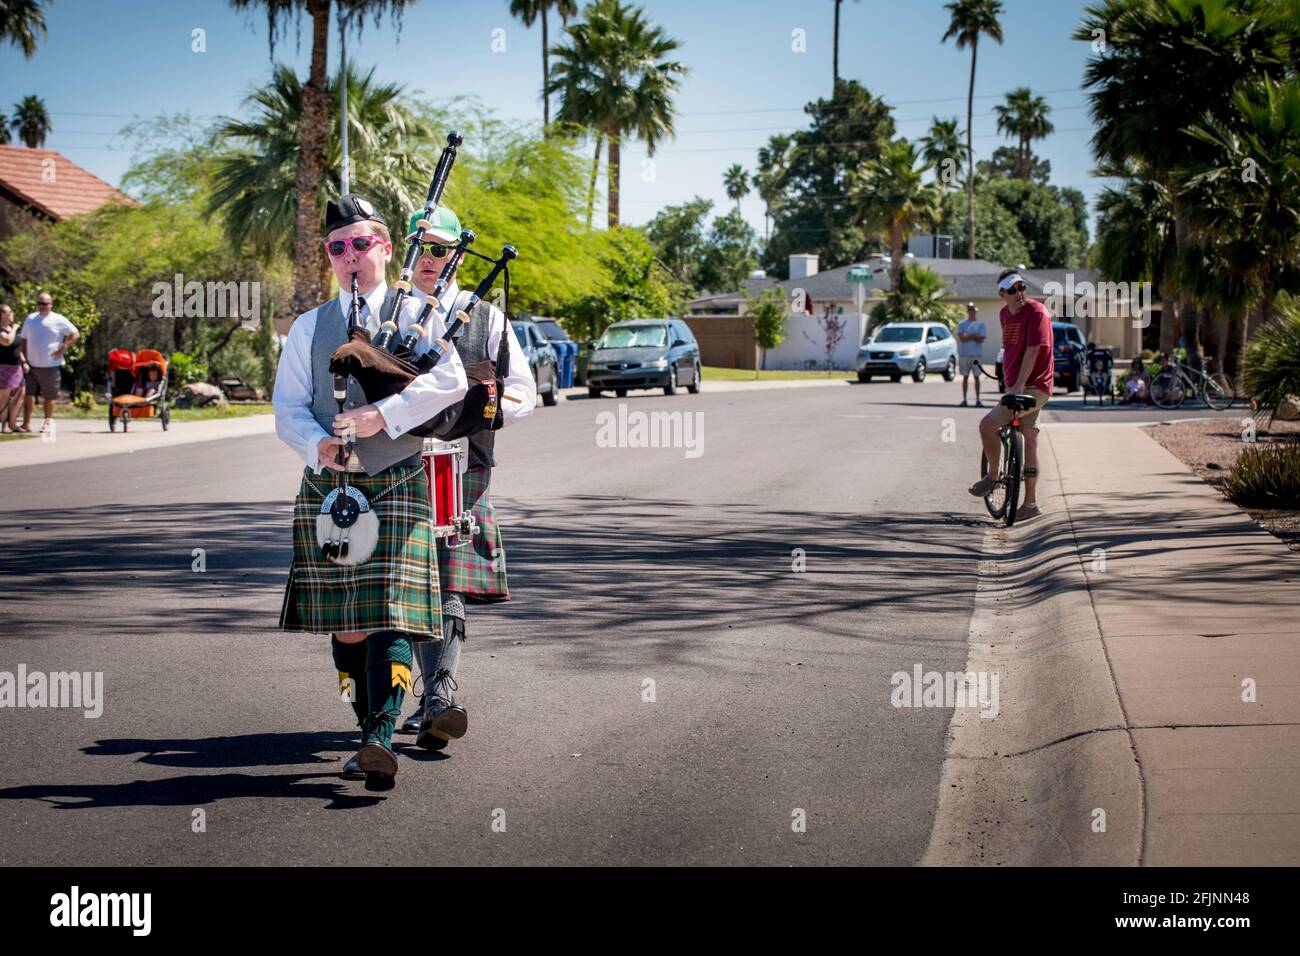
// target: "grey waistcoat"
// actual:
[[378, 451], [472, 346]]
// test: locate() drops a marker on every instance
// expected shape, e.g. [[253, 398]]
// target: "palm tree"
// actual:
[[613, 78], [1257, 217], [1024, 116], [736, 182], [773, 161], [254, 186], [310, 281], [942, 145], [5, 136], [970, 18], [892, 199], [529, 11], [835, 56], [31, 121], [920, 295], [21, 23], [1135, 237], [1165, 67]]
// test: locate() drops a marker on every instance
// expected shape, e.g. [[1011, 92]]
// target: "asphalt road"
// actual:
[[771, 686]]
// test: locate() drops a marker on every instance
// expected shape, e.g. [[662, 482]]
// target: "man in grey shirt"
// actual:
[[970, 334]]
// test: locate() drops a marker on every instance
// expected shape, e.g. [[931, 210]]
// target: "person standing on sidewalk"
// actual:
[[474, 572], [971, 334], [1029, 368], [47, 336], [13, 369]]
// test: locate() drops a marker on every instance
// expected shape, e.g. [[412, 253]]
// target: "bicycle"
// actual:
[[1172, 386], [1003, 498]]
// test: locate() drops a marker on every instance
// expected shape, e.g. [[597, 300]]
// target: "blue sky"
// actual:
[[106, 61]]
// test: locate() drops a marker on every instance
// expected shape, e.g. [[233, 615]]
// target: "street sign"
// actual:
[[860, 274]]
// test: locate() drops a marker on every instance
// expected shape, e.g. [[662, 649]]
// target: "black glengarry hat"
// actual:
[[350, 208]]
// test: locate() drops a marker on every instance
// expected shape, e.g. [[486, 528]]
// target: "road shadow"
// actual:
[[195, 790]]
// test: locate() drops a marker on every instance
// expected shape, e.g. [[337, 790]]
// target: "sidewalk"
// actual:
[[76, 438], [1128, 624], [1195, 600]]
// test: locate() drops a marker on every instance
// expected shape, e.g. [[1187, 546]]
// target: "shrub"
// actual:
[[183, 369], [1267, 477], [1273, 357]]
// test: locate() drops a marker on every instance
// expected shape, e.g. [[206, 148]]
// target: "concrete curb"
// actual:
[[1026, 787]]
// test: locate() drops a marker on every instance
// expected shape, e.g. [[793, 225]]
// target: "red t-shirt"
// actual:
[[1032, 325]]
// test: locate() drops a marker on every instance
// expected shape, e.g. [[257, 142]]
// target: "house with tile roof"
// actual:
[[1112, 317], [46, 185]]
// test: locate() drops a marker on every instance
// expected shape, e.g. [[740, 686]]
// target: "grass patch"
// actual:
[[208, 413], [717, 374], [1266, 477], [14, 436]]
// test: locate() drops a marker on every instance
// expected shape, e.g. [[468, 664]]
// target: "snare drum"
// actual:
[[444, 465]]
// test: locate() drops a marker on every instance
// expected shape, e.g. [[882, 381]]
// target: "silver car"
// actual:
[[908, 348]]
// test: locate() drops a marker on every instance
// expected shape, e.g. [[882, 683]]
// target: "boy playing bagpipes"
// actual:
[[472, 571], [364, 565]]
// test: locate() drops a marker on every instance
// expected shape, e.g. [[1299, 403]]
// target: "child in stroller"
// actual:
[[1098, 380]]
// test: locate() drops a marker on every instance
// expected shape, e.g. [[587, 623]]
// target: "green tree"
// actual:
[[1024, 116], [1164, 67], [82, 360], [1006, 163], [920, 295], [1045, 219], [530, 11], [5, 136], [680, 240], [893, 200], [312, 116], [614, 77], [633, 284], [1247, 192], [941, 149], [31, 121], [816, 212], [736, 182], [971, 19], [999, 238], [768, 311], [256, 182], [1135, 236], [773, 160], [729, 254], [22, 23]]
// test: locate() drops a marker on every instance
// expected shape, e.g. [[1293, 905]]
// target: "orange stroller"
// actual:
[[129, 385]]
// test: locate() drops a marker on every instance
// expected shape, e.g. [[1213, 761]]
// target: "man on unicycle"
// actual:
[[1029, 369]]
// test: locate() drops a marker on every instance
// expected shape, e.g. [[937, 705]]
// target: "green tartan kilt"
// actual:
[[476, 569], [397, 589]]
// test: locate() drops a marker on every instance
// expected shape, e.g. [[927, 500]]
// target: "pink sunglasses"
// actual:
[[361, 243]]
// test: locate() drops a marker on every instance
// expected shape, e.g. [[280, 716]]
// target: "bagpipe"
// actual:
[[347, 528]]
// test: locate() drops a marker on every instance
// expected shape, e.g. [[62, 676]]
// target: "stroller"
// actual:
[[1098, 379], [128, 373]]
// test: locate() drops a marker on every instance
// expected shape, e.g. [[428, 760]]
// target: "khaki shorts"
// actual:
[[1028, 418], [966, 363]]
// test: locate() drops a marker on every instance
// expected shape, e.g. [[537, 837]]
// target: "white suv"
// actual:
[[908, 348]]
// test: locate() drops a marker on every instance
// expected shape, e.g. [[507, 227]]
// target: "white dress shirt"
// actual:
[[519, 382], [427, 395]]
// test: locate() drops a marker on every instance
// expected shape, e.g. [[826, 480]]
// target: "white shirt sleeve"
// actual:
[[430, 393], [66, 326], [294, 421], [519, 382]]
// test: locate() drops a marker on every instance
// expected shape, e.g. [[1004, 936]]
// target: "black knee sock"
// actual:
[[350, 662], [388, 680]]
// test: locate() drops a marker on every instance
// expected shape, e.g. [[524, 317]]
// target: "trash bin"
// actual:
[[567, 355]]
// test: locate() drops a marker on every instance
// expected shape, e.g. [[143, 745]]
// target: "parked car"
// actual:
[[1069, 351], [908, 348], [645, 353], [541, 359]]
